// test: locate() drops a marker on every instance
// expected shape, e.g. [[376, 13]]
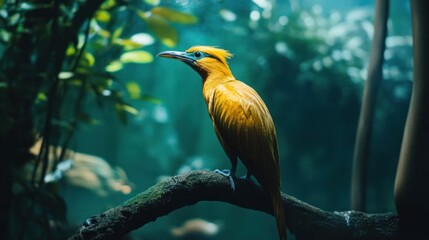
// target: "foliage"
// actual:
[[115, 45], [58, 56]]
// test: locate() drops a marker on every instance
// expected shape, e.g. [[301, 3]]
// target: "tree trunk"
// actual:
[[412, 177], [372, 84]]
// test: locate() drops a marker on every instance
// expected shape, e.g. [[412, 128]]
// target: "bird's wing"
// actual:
[[245, 127]]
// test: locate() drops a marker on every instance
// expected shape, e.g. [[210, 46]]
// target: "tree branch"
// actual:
[[303, 220]]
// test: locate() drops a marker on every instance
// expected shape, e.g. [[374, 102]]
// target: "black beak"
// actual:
[[182, 56], [185, 57]]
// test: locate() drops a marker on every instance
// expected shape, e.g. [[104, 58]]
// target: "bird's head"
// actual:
[[203, 59]]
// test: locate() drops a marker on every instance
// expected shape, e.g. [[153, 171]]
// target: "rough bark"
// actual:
[[303, 220]]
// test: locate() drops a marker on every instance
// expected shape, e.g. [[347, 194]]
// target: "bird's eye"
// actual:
[[197, 54]]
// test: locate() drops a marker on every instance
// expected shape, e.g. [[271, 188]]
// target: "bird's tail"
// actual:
[[279, 212]]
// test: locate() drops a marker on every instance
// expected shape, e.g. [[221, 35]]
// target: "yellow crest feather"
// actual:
[[219, 53]]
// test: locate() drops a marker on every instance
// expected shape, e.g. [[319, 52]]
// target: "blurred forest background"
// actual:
[[110, 120]]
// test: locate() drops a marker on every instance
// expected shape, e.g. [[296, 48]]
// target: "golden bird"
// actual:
[[241, 121]]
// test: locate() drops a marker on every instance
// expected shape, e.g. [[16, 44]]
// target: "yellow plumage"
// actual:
[[241, 120]]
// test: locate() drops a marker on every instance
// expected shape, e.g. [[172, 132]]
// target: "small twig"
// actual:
[[303, 220]]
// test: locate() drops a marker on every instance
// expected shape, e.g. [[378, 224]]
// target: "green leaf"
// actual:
[[74, 82], [152, 2], [89, 58], [114, 66], [130, 109], [71, 50], [102, 16], [135, 93], [117, 32], [150, 99], [143, 39], [136, 41], [227, 15], [121, 107], [103, 33], [136, 57], [4, 35], [84, 117], [65, 75], [13, 19], [128, 44], [160, 28], [95, 28], [108, 4], [174, 16], [28, 6], [41, 96], [134, 90]]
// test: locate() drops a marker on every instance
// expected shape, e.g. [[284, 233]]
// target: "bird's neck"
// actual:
[[214, 79]]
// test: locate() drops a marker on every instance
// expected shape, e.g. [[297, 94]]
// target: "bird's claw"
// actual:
[[247, 179], [227, 173], [231, 182]]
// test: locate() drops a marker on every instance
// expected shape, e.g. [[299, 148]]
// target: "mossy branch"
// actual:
[[303, 220]]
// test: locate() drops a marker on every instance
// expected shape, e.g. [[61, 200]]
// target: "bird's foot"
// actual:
[[227, 173], [248, 179]]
